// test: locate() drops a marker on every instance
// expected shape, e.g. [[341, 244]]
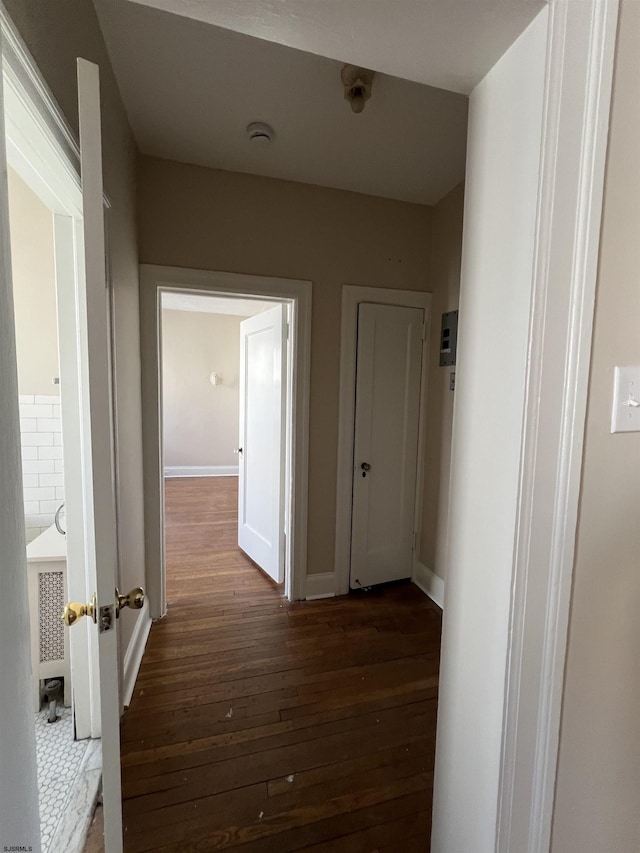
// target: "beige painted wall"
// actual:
[[194, 217], [597, 808], [200, 420], [34, 289], [446, 259], [56, 33]]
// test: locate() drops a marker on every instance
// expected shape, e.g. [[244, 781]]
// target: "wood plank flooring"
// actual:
[[262, 726]]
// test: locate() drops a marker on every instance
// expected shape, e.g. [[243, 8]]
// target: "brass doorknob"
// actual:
[[133, 599], [74, 611]]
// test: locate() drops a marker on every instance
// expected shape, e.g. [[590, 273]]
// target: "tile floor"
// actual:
[[59, 760]]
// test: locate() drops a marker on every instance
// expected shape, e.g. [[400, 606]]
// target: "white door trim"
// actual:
[[19, 817], [23, 74], [352, 296], [580, 54], [154, 280], [68, 236]]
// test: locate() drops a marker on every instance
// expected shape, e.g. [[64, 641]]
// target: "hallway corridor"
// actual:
[[263, 726]]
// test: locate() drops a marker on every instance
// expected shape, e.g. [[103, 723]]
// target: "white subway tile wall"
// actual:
[[42, 480]]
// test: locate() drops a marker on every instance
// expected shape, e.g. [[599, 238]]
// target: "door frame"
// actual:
[[352, 297], [153, 281], [45, 153], [581, 39]]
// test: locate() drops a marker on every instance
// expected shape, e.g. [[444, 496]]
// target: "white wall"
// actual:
[[200, 421], [34, 289], [505, 122], [264, 226], [42, 465], [34, 305], [446, 251]]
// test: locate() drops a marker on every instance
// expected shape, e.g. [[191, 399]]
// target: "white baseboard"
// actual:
[[429, 583], [320, 586], [133, 655], [200, 470]]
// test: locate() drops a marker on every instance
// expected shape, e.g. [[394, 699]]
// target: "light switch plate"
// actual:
[[625, 416]]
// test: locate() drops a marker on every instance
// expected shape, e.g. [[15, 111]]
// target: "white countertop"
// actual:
[[48, 546]]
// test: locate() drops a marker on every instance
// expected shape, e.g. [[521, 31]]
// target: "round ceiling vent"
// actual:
[[260, 133]]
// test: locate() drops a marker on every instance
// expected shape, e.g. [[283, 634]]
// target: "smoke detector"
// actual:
[[357, 84], [260, 133]]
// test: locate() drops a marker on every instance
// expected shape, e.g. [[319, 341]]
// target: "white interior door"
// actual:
[[100, 520], [261, 481], [388, 371]]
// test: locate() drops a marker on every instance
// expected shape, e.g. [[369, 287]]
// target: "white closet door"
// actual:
[[388, 370], [261, 482]]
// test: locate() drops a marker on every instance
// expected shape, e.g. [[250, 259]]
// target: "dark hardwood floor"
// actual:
[[265, 727]]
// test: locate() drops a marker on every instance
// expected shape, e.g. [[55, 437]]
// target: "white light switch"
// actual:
[[625, 416]]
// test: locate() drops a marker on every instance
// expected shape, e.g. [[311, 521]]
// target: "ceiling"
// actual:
[[190, 88], [214, 304], [446, 43]]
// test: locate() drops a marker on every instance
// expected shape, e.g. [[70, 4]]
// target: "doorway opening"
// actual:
[[45, 206], [158, 283], [61, 757], [226, 426]]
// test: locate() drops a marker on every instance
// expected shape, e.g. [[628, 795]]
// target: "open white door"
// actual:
[[100, 519], [387, 415], [261, 482]]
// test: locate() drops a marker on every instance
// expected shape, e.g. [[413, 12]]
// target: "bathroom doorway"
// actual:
[[61, 758], [47, 204]]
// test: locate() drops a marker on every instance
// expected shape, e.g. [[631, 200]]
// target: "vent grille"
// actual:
[[50, 606]]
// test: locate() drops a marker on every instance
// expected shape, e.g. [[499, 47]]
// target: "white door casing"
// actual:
[[19, 818], [388, 373], [97, 440], [83, 641], [578, 72], [154, 281], [261, 472]]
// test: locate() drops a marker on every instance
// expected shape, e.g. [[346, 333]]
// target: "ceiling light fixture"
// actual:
[[357, 84], [260, 133]]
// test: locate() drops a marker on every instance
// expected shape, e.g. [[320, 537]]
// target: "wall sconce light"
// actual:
[[215, 379], [357, 84]]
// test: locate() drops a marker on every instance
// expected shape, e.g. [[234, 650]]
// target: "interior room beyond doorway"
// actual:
[[225, 427]]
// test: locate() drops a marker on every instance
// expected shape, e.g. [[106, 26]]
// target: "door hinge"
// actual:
[[287, 328], [413, 541], [424, 331]]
